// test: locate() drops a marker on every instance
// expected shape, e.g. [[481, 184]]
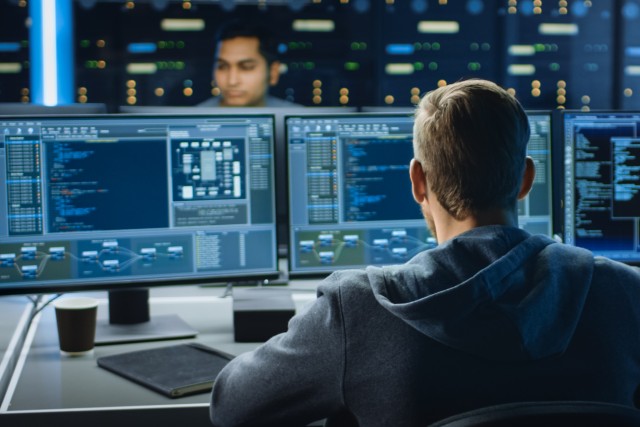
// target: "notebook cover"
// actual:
[[174, 371]]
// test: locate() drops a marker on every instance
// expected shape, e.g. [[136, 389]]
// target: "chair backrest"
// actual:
[[547, 414]]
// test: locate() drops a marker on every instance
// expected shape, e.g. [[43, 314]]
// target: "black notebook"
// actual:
[[174, 371]]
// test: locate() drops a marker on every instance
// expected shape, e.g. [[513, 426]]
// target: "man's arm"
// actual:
[[293, 379]]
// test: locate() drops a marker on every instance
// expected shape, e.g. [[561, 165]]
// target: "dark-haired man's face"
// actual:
[[242, 73]]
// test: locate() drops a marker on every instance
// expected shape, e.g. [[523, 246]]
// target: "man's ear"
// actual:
[[527, 178], [274, 73], [418, 181]]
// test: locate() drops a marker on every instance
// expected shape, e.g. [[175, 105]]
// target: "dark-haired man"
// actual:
[[492, 315], [245, 66]]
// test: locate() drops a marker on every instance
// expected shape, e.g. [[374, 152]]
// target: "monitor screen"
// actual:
[[21, 109], [601, 183], [535, 210], [119, 201], [350, 200]]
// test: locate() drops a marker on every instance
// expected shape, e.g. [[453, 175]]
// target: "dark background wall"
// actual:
[[579, 54]]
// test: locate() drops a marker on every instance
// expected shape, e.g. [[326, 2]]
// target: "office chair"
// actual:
[[547, 414]]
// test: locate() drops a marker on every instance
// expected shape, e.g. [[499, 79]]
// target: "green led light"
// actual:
[[435, 46], [433, 66], [351, 66], [418, 66], [426, 46], [539, 47], [358, 46], [474, 46], [180, 44], [180, 65], [161, 44], [85, 43], [473, 66], [554, 66], [417, 46], [309, 65]]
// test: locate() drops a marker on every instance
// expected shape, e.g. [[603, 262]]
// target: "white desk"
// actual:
[[14, 317], [47, 386]]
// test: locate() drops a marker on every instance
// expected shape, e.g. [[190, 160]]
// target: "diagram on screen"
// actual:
[[95, 258], [359, 247], [208, 169]]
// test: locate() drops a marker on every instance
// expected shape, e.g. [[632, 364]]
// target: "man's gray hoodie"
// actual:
[[494, 315]]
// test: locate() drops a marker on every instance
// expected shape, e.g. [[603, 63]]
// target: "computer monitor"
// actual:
[[119, 202], [535, 212], [602, 183], [21, 109], [280, 113], [350, 200]]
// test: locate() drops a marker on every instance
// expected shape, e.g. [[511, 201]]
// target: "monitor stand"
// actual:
[[130, 321]]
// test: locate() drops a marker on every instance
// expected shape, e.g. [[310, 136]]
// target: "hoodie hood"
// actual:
[[496, 292]]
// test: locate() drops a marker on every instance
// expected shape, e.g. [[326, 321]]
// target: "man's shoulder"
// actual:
[[602, 265], [348, 283], [608, 268], [356, 283]]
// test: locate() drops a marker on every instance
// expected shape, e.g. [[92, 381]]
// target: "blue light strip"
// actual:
[[400, 49], [633, 51], [51, 52], [141, 47], [9, 46], [66, 56], [35, 52]]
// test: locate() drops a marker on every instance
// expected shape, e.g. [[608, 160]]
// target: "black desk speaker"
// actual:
[[259, 314]]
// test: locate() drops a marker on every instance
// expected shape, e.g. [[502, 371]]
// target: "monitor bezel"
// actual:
[[26, 109]]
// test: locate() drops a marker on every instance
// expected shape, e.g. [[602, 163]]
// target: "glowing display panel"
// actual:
[[601, 187], [110, 201]]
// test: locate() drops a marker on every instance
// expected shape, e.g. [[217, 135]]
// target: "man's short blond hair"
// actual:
[[471, 139]]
